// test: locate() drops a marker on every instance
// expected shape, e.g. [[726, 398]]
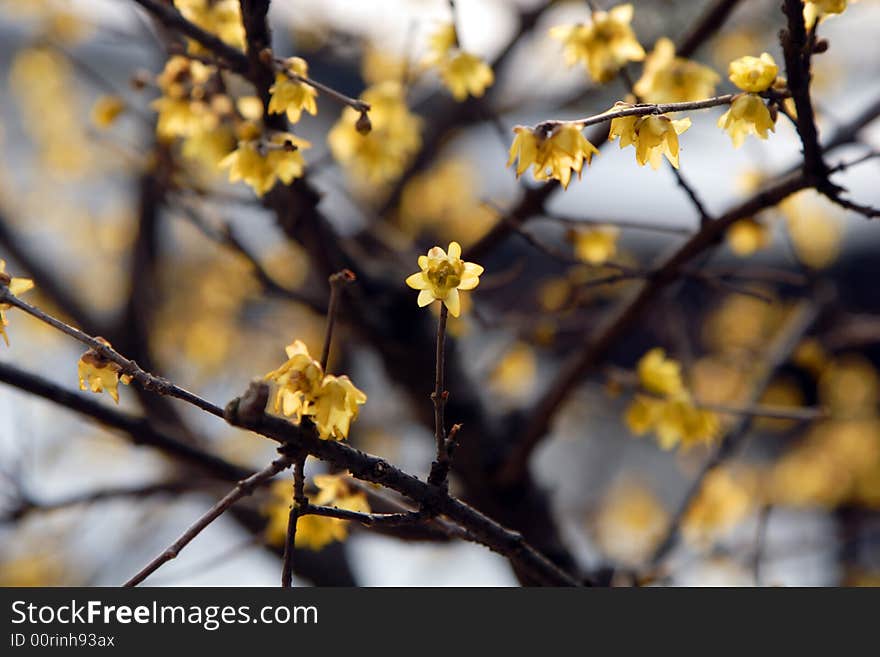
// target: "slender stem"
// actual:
[[145, 379], [299, 502], [337, 280], [243, 488], [641, 110], [368, 519], [440, 467], [354, 103]]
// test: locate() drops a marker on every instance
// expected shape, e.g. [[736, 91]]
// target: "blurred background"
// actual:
[[128, 237]]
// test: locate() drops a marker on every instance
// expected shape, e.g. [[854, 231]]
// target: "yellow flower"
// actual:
[[748, 115], [209, 147], [291, 96], [555, 151], [106, 110], [819, 9], [747, 236], [336, 407], [97, 373], [653, 136], [220, 17], [262, 165], [17, 286], [671, 414], [382, 154], [604, 44], [297, 382], [659, 374], [726, 498], [630, 522], [670, 79], [753, 74], [181, 117], [303, 390], [596, 245], [442, 275], [313, 532], [464, 73], [514, 375]]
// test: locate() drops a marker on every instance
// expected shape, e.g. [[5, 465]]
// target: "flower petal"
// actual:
[[453, 302], [425, 297], [454, 250], [417, 281]]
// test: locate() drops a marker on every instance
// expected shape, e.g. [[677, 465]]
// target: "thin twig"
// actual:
[[440, 469], [245, 487], [148, 381], [337, 281], [298, 502]]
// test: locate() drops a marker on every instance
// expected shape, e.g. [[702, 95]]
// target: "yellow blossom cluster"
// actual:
[[263, 162], [220, 17], [442, 275], [463, 73], [302, 389], [668, 409], [313, 532], [188, 110], [16, 287], [748, 113], [670, 79], [653, 136], [554, 151], [381, 154], [604, 44], [98, 373], [290, 95]]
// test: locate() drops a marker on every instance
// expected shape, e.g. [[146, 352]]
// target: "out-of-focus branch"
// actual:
[[139, 429], [174, 20]]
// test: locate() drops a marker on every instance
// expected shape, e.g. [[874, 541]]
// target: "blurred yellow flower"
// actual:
[[442, 275], [659, 374], [753, 74], [291, 96], [514, 375], [727, 497], [444, 202], [97, 373], [16, 286], [555, 152], [670, 79], [604, 44], [313, 532], [381, 155], [747, 115], [463, 73], [669, 410], [748, 236], [220, 17], [630, 522], [815, 226], [106, 110], [595, 245]]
